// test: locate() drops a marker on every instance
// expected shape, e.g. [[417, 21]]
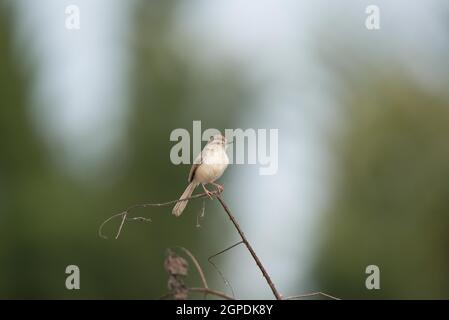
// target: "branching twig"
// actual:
[[250, 248], [197, 266], [206, 290], [124, 214], [227, 283]]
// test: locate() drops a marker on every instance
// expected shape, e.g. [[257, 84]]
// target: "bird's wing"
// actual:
[[195, 165]]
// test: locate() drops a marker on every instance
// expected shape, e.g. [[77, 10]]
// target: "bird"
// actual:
[[208, 166]]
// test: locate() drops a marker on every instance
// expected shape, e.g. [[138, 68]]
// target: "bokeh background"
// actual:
[[363, 119]]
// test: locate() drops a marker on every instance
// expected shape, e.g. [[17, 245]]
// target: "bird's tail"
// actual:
[[181, 205]]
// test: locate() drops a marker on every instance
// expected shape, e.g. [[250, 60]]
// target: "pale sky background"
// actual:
[[81, 89]]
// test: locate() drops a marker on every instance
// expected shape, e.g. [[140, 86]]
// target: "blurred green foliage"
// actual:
[[48, 220], [389, 206], [390, 203]]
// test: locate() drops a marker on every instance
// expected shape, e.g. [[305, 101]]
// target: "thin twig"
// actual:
[[311, 294], [100, 229], [224, 250], [227, 283], [124, 214], [201, 214], [245, 241], [121, 225], [216, 193], [197, 266], [250, 248]]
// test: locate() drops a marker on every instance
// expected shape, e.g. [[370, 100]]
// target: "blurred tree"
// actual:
[[18, 148], [390, 205], [49, 221]]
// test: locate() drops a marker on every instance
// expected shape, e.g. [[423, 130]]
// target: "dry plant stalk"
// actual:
[[177, 267]]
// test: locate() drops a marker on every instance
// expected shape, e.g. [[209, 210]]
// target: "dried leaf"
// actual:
[[177, 268], [176, 265]]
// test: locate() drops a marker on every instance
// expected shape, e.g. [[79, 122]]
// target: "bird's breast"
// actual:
[[212, 167]]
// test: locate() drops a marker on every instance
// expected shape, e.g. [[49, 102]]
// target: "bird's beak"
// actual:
[[231, 142]]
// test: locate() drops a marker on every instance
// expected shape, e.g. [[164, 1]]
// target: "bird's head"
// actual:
[[219, 139]]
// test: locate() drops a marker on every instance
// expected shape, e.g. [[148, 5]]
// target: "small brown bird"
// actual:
[[207, 168]]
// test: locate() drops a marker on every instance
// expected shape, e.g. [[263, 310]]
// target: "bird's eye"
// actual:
[[211, 138]]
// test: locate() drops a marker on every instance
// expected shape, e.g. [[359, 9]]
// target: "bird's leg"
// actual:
[[219, 187], [209, 194]]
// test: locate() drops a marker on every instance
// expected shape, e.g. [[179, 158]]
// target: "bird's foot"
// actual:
[[208, 193], [219, 187]]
